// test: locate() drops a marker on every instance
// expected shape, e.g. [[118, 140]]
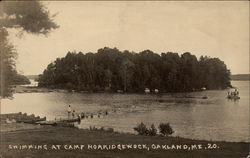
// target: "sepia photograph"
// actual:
[[119, 79]]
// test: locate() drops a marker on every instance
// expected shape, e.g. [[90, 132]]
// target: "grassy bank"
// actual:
[[70, 136]]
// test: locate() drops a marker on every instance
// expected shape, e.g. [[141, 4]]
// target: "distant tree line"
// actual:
[[111, 70], [241, 77], [8, 73], [18, 79], [26, 16]]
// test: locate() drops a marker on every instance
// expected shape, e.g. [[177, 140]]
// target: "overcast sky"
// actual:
[[215, 29]]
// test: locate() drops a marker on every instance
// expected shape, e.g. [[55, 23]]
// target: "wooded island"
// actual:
[[113, 70]]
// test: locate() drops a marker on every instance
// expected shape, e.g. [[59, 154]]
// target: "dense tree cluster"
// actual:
[[112, 69], [8, 73], [26, 16], [19, 79]]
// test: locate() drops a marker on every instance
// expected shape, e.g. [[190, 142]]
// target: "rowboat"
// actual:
[[53, 123], [78, 119], [233, 94], [233, 97], [30, 120], [58, 122]]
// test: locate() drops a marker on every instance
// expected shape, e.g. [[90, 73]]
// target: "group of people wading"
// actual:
[[72, 114]]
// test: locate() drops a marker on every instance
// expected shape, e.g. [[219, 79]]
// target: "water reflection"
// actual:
[[214, 118]]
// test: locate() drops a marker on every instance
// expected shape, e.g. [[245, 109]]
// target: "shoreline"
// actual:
[[157, 145], [36, 89]]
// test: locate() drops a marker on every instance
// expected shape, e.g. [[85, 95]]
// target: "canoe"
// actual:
[[53, 123], [233, 97], [30, 120], [70, 120]]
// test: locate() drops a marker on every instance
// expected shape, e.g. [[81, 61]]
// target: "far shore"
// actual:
[[36, 89]]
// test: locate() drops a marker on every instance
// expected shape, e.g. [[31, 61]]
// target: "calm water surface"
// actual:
[[215, 118]]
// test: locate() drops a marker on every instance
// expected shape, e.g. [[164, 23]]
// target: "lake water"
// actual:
[[215, 118]]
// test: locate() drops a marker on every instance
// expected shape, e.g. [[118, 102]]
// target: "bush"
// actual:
[[101, 129], [152, 131], [165, 129], [141, 129]]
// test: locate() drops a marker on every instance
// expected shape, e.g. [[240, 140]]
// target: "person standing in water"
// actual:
[[69, 111], [73, 114]]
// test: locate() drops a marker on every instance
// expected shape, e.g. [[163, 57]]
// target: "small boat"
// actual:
[[59, 122], [30, 120], [78, 119], [203, 88], [233, 97], [53, 123], [233, 94], [147, 90], [156, 91]]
